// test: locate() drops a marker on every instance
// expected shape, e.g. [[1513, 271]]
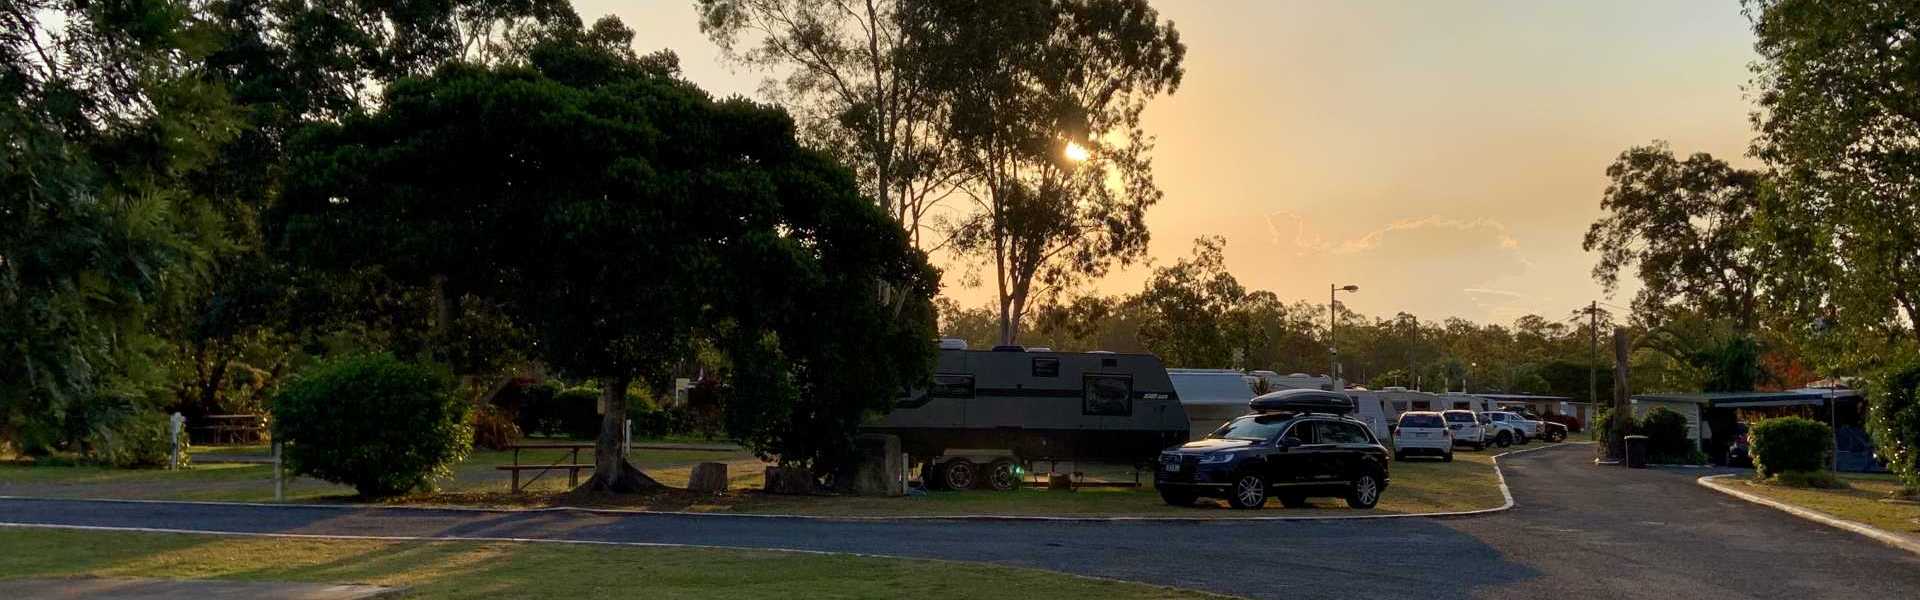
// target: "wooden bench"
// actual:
[[571, 463]]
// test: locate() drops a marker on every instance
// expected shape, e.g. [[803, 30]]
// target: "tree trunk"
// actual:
[[1622, 410], [611, 471]]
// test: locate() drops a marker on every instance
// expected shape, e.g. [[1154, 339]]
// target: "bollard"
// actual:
[[279, 479], [174, 424], [626, 439]]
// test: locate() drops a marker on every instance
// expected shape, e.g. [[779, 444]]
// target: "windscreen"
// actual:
[[1432, 421], [1250, 428], [1460, 417]]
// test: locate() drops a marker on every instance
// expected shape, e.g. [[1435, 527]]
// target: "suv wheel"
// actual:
[[1365, 493], [959, 474], [1557, 436], [1249, 492], [1504, 439]]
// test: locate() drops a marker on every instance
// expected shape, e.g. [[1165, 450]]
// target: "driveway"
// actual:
[[1579, 531]]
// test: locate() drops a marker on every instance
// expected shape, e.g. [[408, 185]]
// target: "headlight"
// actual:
[[1216, 458]]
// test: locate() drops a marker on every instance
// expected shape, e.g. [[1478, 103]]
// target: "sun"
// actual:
[[1077, 153]]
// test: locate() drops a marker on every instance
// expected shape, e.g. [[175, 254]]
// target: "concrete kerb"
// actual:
[[1506, 494], [1877, 534]]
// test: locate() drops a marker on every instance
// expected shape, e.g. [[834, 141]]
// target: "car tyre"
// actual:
[[959, 474], [1293, 501], [1448, 457], [1002, 476], [1249, 492], [1503, 440], [1366, 491], [1176, 497], [1557, 436]]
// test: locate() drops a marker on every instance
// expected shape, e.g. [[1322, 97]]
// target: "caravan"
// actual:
[[1212, 397]]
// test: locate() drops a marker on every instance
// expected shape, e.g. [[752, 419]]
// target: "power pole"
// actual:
[[1593, 362]]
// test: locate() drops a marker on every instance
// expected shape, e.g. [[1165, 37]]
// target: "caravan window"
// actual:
[[1046, 366], [1107, 395], [952, 386], [1422, 405]]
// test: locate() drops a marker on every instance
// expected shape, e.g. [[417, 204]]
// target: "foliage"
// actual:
[[1605, 422], [137, 438], [1893, 418], [1787, 444], [1838, 88], [493, 428], [381, 425], [1667, 439], [1818, 479], [1688, 227], [1192, 310], [1021, 83], [1724, 359]]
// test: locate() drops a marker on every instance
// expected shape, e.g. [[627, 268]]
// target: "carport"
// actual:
[[1841, 408]]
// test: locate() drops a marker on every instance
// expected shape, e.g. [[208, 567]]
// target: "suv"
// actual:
[[1422, 432], [1500, 431], [1289, 455], [1466, 429], [1546, 430]]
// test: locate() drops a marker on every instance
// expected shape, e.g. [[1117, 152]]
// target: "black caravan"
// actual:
[[1010, 406]]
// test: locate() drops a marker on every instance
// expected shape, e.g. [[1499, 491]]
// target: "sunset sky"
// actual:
[[1446, 157]]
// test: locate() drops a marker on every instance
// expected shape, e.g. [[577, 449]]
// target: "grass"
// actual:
[[1862, 503], [431, 570]]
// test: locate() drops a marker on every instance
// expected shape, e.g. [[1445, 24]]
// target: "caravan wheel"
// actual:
[[1003, 476], [959, 474]]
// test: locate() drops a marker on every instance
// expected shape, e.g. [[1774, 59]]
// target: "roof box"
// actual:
[[1304, 400]]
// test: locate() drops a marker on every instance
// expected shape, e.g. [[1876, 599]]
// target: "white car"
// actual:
[[1466, 429], [1516, 429], [1422, 433]]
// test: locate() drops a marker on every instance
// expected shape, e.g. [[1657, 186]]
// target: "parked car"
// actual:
[[1499, 432], [1523, 430], [1422, 433], [1740, 453], [1466, 429], [1548, 429], [1299, 446]]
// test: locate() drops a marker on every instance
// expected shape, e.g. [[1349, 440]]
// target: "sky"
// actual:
[[1446, 157]]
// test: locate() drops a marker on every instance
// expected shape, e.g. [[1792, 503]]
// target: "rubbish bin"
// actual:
[[1636, 452]]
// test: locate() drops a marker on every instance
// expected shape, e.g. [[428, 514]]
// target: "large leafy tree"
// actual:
[[1042, 100], [1839, 91], [1193, 308], [619, 213], [105, 116], [1687, 227]]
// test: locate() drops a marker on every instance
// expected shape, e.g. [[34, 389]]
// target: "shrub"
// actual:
[[381, 425], [1667, 439], [1790, 444], [1893, 418], [493, 430], [135, 438], [574, 412]]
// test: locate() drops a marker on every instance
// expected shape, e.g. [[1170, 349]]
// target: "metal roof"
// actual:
[[1523, 397], [1754, 399]]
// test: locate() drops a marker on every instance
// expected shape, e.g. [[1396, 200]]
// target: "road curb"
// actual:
[[1880, 535], [1506, 495]]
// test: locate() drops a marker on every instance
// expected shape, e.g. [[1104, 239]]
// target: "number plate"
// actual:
[[1173, 467]]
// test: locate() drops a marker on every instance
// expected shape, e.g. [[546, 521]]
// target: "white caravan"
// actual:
[[1212, 397]]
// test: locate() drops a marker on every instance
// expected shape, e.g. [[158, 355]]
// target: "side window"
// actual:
[[1498, 417], [1304, 431], [1046, 366], [952, 386], [1335, 432], [1107, 395]]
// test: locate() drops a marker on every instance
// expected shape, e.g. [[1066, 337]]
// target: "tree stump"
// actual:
[[708, 477], [788, 480]]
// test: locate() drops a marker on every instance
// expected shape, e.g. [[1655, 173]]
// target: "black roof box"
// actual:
[[1305, 400]]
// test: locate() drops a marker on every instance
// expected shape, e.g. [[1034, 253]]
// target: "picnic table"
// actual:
[[232, 429], [569, 463]]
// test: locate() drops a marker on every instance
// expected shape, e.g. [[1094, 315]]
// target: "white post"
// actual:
[[174, 424], [279, 479], [626, 439]]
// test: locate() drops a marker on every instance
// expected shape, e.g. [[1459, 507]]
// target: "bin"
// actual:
[[1636, 452]]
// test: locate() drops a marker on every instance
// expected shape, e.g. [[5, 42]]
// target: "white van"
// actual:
[[1212, 397]]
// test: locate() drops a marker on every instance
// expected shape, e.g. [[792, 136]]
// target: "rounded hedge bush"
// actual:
[[1893, 417], [1666, 433], [375, 422], [138, 438], [1790, 444]]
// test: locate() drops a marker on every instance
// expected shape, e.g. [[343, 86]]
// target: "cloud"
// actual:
[[1432, 266]]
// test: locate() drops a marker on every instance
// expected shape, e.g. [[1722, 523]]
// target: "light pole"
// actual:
[[1333, 321]]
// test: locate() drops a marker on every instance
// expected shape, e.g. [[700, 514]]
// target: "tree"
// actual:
[[1189, 305], [1688, 226], [105, 118], [619, 213], [1042, 100], [1839, 91], [847, 86]]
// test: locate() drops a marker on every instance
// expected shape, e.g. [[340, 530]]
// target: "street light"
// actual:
[[1333, 320]]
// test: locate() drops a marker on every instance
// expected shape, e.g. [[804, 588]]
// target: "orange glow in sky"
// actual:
[[1447, 157]]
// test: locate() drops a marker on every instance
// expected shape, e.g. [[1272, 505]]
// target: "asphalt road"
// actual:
[[1579, 531]]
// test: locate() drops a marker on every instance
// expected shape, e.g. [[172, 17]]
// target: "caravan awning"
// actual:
[[1800, 397]]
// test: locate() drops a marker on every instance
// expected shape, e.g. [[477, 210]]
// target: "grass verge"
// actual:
[[1863, 503], [524, 570]]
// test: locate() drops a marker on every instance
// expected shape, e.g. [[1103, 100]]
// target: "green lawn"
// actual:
[[1861, 504], [525, 570]]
